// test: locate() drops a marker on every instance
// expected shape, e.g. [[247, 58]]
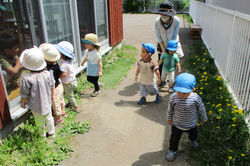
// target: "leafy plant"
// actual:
[[224, 139]]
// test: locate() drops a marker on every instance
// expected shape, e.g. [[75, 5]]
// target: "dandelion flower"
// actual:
[[227, 99], [201, 88], [203, 68], [240, 111], [218, 78], [220, 110], [206, 83], [198, 124], [209, 112], [201, 93], [207, 61], [230, 150], [235, 106], [218, 127], [233, 125], [243, 155], [230, 157], [229, 105], [220, 88], [234, 119], [194, 63], [205, 73], [218, 117]]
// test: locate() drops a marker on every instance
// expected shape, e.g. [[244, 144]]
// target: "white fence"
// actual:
[[226, 35]]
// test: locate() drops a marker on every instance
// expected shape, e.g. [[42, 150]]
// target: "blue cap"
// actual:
[[185, 83], [172, 45], [149, 47]]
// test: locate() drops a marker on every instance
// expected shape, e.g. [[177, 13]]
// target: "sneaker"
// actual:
[[95, 93], [171, 155], [170, 90], [52, 135], [194, 144], [58, 121], [158, 99], [64, 115], [142, 100]]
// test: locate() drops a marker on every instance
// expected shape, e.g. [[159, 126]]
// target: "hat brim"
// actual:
[[37, 68], [61, 50], [89, 42], [182, 90], [165, 13], [171, 49], [52, 59]]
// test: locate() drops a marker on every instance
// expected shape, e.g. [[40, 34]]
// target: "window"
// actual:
[[101, 16]]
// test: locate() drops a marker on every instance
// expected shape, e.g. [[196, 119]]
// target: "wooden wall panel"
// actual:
[[4, 108], [115, 21]]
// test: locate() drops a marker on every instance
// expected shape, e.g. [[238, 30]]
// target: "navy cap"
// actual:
[[185, 83], [149, 47]]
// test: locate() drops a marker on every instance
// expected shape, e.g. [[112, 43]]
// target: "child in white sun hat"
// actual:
[[94, 59], [68, 78], [52, 55], [37, 88]]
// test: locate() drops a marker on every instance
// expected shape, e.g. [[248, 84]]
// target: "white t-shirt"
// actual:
[[92, 58]]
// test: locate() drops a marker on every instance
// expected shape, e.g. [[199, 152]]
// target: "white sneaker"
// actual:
[[95, 93]]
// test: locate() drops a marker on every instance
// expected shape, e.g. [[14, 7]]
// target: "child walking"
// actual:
[[182, 112], [170, 61], [68, 78], [51, 56], [146, 67], [94, 59], [36, 89]]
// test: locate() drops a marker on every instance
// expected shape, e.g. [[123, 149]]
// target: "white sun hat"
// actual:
[[66, 48], [50, 52], [33, 59]]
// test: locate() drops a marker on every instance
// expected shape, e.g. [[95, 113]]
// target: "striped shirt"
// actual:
[[183, 111]]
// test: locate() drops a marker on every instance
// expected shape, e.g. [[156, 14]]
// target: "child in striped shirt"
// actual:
[[182, 112]]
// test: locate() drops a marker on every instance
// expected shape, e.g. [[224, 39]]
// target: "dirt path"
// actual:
[[123, 133]]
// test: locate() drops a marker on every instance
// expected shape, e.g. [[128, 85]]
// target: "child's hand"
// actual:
[[136, 78], [170, 122], [23, 105], [99, 73], [159, 81]]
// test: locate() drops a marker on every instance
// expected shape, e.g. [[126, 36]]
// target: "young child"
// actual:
[[51, 56], [9, 61], [170, 61], [94, 59], [37, 89], [68, 76], [147, 67], [182, 112]]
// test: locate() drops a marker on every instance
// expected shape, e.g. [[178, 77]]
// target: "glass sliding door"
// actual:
[[86, 18], [101, 16], [57, 20]]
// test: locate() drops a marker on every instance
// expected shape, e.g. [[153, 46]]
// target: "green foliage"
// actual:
[[224, 138], [131, 6], [116, 65], [180, 4]]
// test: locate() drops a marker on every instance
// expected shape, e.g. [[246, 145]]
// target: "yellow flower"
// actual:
[[201, 93], [235, 106], [232, 112], [218, 78], [220, 110], [198, 59], [221, 97], [218, 117], [207, 61], [206, 83], [198, 124], [219, 70], [201, 88], [201, 80], [230, 150], [240, 111], [233, 125], [196, 56], [205, 73], [214, 105], [243, 155], [228, 90], [234, 119], [193, 63], [205, 79], [209, 112], [235, 110], [203, 68], [229, 105], [218, 127], [230, 157], [204, 59], [227, 99], [208, 103], [220, 88]]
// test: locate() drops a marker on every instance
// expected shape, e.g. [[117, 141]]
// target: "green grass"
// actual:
[[224, 138], [116, 66]]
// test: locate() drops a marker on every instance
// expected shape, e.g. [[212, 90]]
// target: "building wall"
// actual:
[[115, 21], [4, 109], [236, 5]]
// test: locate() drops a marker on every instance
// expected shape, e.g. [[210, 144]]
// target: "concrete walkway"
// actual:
[[123, 133]]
